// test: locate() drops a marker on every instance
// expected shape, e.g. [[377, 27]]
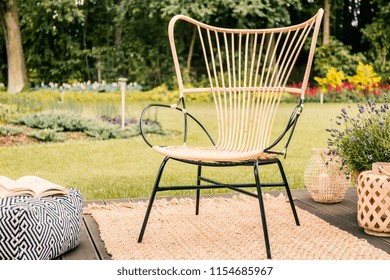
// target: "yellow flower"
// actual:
[[333, 78], [365, 76]]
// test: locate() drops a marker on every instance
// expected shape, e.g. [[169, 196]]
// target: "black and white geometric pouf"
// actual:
[[39, 228]]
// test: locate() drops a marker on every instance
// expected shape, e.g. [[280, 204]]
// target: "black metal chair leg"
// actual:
[[152, 197], [262, 210], [289, 193], [198, 190]]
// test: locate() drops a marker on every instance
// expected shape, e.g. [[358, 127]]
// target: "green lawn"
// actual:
[[127, 168]]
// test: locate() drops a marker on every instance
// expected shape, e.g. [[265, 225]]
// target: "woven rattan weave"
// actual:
[[374, 203], [324, 178]]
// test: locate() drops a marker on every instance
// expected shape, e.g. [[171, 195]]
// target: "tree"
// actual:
[[337, 55], [326, 32], [234, 13], [52, 35], [377, 34], [80, 40], [9, 16]]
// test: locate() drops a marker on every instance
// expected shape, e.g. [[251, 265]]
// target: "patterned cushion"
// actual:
[[39, 228]]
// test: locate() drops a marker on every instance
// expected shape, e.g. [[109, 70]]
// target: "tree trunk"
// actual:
[[99, 68], [17, 77], [325, 38]]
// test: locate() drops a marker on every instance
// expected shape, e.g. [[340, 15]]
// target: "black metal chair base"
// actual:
[[237, 187]]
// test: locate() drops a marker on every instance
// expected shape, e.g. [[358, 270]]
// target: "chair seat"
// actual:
[[211, 154]]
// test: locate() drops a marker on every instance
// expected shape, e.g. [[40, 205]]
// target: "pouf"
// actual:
[[39, 228]]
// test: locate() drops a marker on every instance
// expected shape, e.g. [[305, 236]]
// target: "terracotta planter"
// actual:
[[323, 178]]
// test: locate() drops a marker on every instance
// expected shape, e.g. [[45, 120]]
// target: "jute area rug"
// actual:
[[226, 228]]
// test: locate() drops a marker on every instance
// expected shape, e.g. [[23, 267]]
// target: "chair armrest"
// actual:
[[290, 127], [174, 106]]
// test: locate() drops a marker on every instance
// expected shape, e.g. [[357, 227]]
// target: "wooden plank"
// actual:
[[376, 242], [335, 210], [94, 232], [340, 211], [350, 205], [85, 250], [351, 193], [350, 199]]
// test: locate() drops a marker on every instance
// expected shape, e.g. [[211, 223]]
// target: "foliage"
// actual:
[[377, 34], [6, 111], [47, 135], [336, 55], [362, 139], [10, 130], [49, 125], [365, 77], [54, 121], [118, 120], [333, 78], [102, 40], [24, 102], [240, 14], [87, 86], [106, 132], [365, 84], [51, 33], [71, 40], [150, 126]]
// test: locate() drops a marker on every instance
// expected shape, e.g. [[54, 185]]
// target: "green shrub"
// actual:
[[6, 112], [105, 131], [54, 121], [10, 130], [31, 101], [48, 124], [336, 55], [47, 135]]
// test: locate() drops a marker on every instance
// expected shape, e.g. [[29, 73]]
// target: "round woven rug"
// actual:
[[226, 228]]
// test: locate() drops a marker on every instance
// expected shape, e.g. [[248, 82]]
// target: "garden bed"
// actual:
[[10, 140], [64, 127], [23, 138]]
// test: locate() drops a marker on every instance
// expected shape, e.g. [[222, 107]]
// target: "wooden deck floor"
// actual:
[[341, 215]]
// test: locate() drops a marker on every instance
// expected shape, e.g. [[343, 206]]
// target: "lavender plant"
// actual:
[[363, 138]]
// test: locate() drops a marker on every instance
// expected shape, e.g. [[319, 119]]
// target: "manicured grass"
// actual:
[[127, 167]]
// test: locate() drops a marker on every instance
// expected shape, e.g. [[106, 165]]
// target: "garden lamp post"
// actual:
[[122, 84]]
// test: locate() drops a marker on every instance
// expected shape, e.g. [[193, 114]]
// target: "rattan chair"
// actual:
[[248, 70]]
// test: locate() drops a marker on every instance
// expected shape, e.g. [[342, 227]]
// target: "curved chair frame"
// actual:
[[246, 96]]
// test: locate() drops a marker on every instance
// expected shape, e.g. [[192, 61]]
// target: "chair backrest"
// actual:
[[248, 70]]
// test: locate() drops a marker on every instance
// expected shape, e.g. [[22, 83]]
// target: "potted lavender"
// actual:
[[363, 141], [362, 138]]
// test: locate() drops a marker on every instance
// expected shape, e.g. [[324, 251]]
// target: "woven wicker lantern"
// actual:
[[374, 200], [324, 178]]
